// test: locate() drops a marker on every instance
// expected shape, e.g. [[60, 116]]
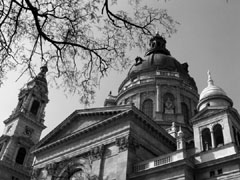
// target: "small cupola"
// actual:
[[213, 96], [157, 45]]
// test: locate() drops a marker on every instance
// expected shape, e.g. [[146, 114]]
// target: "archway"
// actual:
[[21, 155], [218, 135], [206, 139]]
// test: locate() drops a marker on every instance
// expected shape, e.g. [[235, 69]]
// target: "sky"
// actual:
[[207, 39]]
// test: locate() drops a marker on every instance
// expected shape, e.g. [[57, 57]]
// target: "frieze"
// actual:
[[127, 142], [97, 152], [51, 168]]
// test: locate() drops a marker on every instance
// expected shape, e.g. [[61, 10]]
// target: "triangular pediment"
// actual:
[[208, 112], [80, 120], [82, 123]]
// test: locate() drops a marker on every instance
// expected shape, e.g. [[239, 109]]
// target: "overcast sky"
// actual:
[[207, 38]]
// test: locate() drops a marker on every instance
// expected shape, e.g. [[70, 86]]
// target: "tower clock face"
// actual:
[[28, 131]]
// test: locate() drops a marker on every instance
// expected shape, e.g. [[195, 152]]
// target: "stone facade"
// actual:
[[110, 146], [156, 127]]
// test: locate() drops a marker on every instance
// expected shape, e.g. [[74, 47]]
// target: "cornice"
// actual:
[[182, 86], [155, 76], [86, 147], [20, 114], [81, 132], [153, 128], [200, 116], [146, 121], [84, 112], [226, 159]]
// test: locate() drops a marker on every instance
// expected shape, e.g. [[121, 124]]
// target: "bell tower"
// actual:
[[23, 129]]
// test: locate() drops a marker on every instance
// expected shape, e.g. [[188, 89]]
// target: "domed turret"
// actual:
[[213, 96]]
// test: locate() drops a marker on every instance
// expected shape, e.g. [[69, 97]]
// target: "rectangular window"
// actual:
[[219, 171], [212, 173]]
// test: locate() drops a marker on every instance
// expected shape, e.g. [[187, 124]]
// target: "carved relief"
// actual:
[[51, 168], [36, 173], [76, 168], [126, 142], [168, 103], [39, 174], [122, 143], [96, 152]]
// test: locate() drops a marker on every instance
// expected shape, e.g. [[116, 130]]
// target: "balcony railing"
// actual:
[[159, 161]]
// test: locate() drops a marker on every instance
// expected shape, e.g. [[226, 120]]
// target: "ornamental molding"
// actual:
[[144, 121], [127, 142], [117, 113], [211, 125], [26, 118], [97, 152], [62, 169]]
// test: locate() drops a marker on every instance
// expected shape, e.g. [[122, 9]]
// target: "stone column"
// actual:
[[201, 143], [158, 103], [212, 139], [96, 155], [157, 98], [178, 101]]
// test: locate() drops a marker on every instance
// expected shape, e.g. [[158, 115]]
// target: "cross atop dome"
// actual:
[[210, 81]]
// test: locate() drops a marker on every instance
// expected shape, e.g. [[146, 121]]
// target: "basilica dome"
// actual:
[[161, 87], [157, 61], [158, 58]]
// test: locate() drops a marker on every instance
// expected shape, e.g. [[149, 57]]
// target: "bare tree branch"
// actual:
[[80, 40]]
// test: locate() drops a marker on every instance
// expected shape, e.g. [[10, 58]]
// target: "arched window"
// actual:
[[147, 107], [218, 135], [206, 139], [238, 138], [190, 145], [21, 155], [185, 112], [235, 135], [35, 107]]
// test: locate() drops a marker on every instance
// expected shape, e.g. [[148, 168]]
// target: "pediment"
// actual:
[[207, 113], [82, 122], [77, 121]]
